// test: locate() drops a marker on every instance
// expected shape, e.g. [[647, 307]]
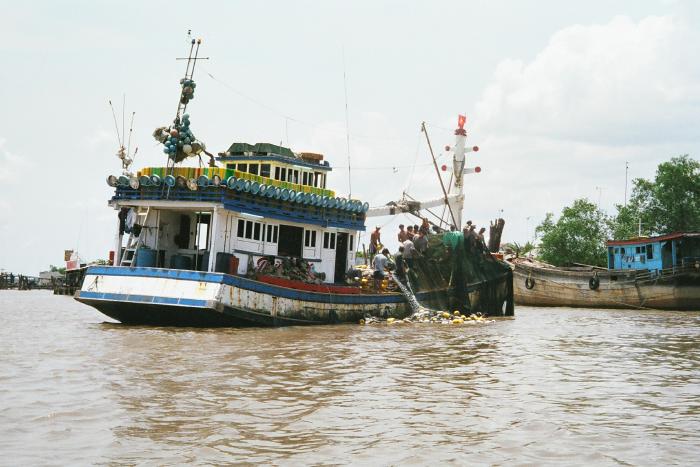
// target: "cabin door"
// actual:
[[328, 256], [667, 255], [341, 256]]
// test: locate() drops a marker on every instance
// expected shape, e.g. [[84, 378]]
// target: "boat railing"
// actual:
[[667, 273]]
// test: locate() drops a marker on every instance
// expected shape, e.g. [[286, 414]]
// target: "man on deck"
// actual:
[[400, 265], [409, 233], [374, 241], [425, 227], [379, 262], [409, 251], [402, 234], [421, 242]]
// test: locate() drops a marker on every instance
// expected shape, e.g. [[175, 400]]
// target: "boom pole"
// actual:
[[437, 171]]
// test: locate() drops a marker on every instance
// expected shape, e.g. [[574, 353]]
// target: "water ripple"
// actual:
[[552, 386]]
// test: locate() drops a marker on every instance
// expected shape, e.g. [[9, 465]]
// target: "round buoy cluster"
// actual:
[[188, 86], [178, 140], [431, 316], [245, 186]]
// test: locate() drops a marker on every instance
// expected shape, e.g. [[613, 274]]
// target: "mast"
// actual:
[[456, 200]]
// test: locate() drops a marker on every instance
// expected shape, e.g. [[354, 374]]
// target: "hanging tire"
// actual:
[[594, 283], [529, 283]]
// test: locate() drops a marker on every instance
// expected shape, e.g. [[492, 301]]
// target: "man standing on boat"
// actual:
[[400, 265], [380, 261], [403, 236], [409, 251], [421, 242], [374, 241], [409, 233]]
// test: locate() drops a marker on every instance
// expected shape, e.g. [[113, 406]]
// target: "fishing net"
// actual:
[[476, 280]]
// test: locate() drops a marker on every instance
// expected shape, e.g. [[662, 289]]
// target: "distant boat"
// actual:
[[661, 272]]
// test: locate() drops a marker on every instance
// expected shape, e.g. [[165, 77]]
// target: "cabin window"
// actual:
[[277, 173], [650, 252], [283, 174], [272, 234], [304, 178], [622, 250], [310, 238], [350, 244], [265, 170], [243, 167], [638, 250], [253, 169], [202, 239], [249, 230], [317, 179], [328, 240], [231, 166]]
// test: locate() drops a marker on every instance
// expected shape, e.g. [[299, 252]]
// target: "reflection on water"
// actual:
[[550, 386]]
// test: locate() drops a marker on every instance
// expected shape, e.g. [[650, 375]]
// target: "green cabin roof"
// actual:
[[259, 149]]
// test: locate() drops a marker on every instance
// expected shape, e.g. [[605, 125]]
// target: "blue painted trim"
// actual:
[[236, 201], [285, 160], [246, 284], [189, 302]]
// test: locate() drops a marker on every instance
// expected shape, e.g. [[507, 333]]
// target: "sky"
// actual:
[[558, 96]]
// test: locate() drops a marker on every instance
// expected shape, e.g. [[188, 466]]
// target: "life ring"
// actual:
[[594, 282], [529, 283]]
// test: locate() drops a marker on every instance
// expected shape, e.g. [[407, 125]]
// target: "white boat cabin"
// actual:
[[226, 219]]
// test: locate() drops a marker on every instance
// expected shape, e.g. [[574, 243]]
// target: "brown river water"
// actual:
[[551, 386]]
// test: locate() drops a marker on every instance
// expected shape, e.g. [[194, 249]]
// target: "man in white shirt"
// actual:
[[409, 252], [379, 262]]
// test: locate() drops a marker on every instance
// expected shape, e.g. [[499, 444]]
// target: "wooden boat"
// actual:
[[196, 245], [660, 272]]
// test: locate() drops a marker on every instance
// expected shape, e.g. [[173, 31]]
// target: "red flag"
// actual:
[[461, 121]]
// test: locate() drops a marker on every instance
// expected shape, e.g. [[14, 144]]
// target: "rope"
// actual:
[[278, 112]]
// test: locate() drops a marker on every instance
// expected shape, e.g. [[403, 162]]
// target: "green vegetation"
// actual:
[[578, 236], [669, 203], [517, 249], [57, 269]]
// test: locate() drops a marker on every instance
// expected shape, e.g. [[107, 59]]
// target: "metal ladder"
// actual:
[[133, 243]]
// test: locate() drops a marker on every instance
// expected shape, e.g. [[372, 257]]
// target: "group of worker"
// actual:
[[413, 243], [475, 242]]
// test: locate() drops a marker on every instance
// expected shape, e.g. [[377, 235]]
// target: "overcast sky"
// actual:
[[557, 97]]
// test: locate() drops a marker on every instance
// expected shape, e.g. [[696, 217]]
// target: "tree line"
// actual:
[[668, 203]]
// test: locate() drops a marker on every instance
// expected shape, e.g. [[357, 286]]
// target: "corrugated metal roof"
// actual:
[[659, 238]]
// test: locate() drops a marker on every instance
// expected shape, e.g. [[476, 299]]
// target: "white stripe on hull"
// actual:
[[221, 296]]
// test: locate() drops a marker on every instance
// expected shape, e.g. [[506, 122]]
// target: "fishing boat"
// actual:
[[256, 237], [661, 272]]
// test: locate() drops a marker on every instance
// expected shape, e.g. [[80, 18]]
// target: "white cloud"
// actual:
[[555, 128], [11, 165], [618, 83]]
